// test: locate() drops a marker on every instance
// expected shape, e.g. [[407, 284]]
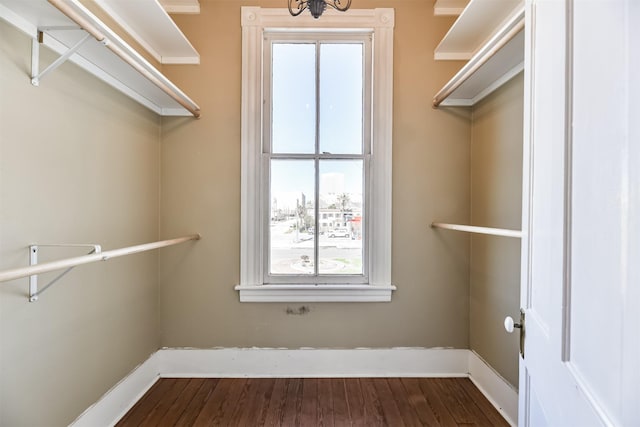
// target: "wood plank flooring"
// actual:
[[313, 402]]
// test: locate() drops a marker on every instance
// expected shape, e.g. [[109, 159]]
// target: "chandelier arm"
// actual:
[[301, 5], [336, 5]]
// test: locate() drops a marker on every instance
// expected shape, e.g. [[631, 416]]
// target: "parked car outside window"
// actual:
[[339, 232]]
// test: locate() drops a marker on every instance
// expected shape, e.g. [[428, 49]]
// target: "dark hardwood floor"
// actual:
[[313, 402]]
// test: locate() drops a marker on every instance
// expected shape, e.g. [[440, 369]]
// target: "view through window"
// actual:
[[317, 148]]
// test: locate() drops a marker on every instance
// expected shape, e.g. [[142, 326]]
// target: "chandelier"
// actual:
[[316, 7]]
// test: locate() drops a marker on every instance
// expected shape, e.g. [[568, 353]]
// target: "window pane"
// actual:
[[341, 98], [341, 217], [291, 237], [294, 98]]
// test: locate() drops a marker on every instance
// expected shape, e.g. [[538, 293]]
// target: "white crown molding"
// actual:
[[181, 6], [449, 7]]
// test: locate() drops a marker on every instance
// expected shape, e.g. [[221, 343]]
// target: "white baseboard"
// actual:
[[317, 363], [115, 403], [312, 363], [496, 389]]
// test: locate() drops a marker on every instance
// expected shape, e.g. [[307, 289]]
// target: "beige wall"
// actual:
[[496, 189], [79, 163], [201, 193]]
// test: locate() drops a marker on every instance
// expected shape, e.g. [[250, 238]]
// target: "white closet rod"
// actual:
[[86, 259], [478, 230], [497, 42], [130, 57]]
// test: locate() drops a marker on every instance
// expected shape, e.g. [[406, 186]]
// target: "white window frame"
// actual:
[[255, 21]]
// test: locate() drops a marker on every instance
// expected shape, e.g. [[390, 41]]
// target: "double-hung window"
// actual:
[[316, 156], [316, 143]]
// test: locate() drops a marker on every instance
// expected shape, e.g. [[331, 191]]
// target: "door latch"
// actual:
[[510, 325]]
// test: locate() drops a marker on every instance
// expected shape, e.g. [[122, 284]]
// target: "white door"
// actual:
[[581, 214]]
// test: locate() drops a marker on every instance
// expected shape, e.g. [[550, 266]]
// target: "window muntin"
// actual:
[[299, 247]]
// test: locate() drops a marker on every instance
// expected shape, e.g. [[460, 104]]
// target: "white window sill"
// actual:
[[315, 293]]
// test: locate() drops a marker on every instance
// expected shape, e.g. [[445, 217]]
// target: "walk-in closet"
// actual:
[[456, 246]]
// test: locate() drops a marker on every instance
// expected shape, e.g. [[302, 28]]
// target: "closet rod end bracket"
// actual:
[[33, 279]]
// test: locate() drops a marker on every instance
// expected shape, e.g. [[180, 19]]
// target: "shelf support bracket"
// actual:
[[34, 293], [36, 75]]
